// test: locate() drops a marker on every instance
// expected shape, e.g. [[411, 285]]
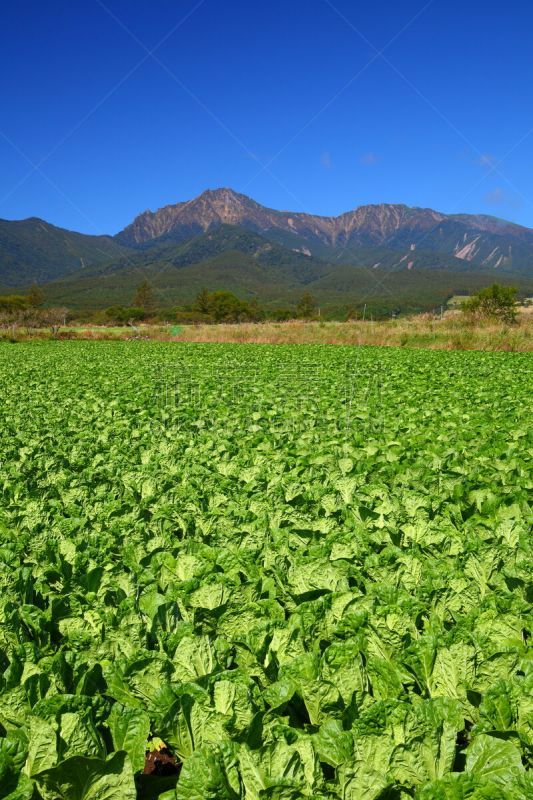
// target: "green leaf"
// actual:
[[494, 759], [369, 774], [345, 465], [79, 736], [428, 749], [465, 786], [42, 746], [453, 671], [333, 745], [14, 750], [91, 779], [130, 728], [209, 775], [24, 790]]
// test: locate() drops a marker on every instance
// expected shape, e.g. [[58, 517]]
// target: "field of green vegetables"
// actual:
[[264, 572]]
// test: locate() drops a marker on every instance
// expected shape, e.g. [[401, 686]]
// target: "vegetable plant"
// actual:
[[264, 572]]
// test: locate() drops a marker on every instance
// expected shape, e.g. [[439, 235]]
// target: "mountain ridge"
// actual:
[[226, 193], [33, 250], [478, 238], [228, 206], [256, 268], [384, 237]]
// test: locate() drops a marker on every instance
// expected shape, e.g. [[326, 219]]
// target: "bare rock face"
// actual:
[[224, 206], [217, 207]]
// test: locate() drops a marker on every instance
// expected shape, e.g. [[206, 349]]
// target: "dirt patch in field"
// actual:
[[161, 763]]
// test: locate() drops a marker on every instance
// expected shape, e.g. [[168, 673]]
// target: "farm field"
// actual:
[[264, 572]]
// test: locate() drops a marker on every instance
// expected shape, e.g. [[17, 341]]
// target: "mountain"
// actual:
[[233, 258], [32, 250], [396, 256], [226, 257], [470, 241], [367, 225], [299, 262], [340, 287], [295, 265]]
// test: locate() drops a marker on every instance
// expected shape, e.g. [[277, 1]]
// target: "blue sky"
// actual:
[[109, 107]]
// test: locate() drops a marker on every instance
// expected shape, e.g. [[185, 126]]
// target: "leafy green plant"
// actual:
[[296, 572]]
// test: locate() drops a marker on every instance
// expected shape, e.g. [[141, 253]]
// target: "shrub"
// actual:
[[224, 306], [123, 315], [493, 302]]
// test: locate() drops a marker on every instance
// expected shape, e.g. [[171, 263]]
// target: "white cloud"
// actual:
[[496, 197], [487, 160], [503, 197], [369, 159]]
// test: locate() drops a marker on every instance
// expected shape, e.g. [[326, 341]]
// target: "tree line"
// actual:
[[495, 302], [222, 306], [209, 306], [26, 312]]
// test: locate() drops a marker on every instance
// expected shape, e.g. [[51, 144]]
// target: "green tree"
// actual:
[[124, 315], [306, 307], [144, 297], [35, 296], [202, 301], [493, 302], [224, 306], [256, 313]]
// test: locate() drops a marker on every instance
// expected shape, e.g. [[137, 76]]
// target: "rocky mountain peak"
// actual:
[[395, 226]]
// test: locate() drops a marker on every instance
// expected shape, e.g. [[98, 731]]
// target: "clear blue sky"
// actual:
[[284, 101]]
